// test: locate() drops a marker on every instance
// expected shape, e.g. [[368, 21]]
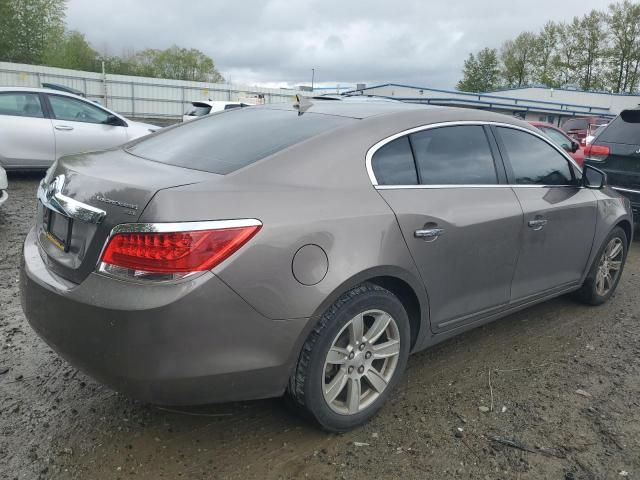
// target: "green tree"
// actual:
[[177, 63], [74, 52], [29, 27], [545, 49], [591, 41], [567, 53], [481, 73], [517, 57], [623, 21]]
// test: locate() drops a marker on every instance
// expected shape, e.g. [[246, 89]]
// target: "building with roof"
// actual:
[[553, 105]]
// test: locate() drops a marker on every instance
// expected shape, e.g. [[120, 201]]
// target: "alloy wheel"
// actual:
[[609, 266], [361, 362]]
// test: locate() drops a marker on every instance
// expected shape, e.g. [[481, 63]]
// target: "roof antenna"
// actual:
[[302, 104]]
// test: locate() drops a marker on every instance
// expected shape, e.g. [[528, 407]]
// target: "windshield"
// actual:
[[226, 141]]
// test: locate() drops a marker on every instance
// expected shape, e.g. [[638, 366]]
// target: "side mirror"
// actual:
[[115, 121], [593, 178], [574, 147]]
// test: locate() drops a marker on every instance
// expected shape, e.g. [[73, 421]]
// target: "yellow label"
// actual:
[[55, 241]]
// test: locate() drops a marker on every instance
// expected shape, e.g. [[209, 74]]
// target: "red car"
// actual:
[[580, 128], [561, 139]]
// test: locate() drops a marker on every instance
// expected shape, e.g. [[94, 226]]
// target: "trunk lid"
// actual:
[[113, 185]]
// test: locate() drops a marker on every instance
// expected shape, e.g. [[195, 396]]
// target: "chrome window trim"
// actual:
[[628, 190], [372, 150]]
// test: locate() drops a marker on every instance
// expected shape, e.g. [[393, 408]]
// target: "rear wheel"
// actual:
[[353, 359], [606, 269]]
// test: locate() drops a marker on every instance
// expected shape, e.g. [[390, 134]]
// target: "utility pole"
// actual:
[[313, 75]]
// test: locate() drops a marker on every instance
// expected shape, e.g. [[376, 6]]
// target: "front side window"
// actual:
[[458, 155], [534, 161], [393, 163], [74, 110], [21, 104]]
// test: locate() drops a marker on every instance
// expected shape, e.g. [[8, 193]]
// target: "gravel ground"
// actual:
[[560, 383]]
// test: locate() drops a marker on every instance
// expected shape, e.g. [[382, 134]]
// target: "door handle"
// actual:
[[63, 127], [537, 224], [428, 234]]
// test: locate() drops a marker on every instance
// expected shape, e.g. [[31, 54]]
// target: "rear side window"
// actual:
[[227, 141], [454, 156], [20, 104], [534, 161], [624, 129], [393, 163]]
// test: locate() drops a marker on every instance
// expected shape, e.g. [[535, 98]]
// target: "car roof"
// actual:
[[358, 110], [41, 90]]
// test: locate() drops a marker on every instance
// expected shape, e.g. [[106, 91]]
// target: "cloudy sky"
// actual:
[[278, 42]]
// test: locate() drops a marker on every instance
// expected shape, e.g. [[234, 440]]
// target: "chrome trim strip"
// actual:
[[498, 185], [383, 142], [628, 190], [51, 197], [183, 226]]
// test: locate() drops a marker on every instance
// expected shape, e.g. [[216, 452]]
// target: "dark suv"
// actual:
[[616, 150]]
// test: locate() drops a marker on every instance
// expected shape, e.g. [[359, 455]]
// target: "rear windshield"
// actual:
[[624, 129], [227, 141], [575, 124]]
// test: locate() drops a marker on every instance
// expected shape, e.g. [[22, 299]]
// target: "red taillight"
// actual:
[[596, 152], [172, 254]]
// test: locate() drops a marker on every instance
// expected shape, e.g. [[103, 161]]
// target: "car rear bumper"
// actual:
[[183, 344]]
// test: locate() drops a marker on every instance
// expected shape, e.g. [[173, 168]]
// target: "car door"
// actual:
[[81, 126], [559, 214], [459, 219], [26, 135]]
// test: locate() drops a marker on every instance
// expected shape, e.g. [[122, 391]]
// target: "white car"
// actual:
[[202, 108], [38, 126], [4, 185]]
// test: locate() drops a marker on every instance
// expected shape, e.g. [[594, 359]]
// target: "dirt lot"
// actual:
[[57, 423]]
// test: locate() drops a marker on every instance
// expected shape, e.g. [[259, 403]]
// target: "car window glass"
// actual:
[[575, 124], [393, 163], [454, 156], [21, 104], [71, 109], [534, 161], [624, 129], [557, 137], [227, 142], [230, 106]]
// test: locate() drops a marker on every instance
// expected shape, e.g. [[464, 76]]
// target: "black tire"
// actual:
[[306, 383], [588, 292]]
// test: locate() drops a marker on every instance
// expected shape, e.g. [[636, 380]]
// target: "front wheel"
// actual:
[[353, 359], [606, 270]]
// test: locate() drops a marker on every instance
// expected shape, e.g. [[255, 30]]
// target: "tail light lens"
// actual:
[[596, 153], [173, 251]]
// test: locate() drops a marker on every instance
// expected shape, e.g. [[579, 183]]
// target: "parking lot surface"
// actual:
[[550, 392]]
